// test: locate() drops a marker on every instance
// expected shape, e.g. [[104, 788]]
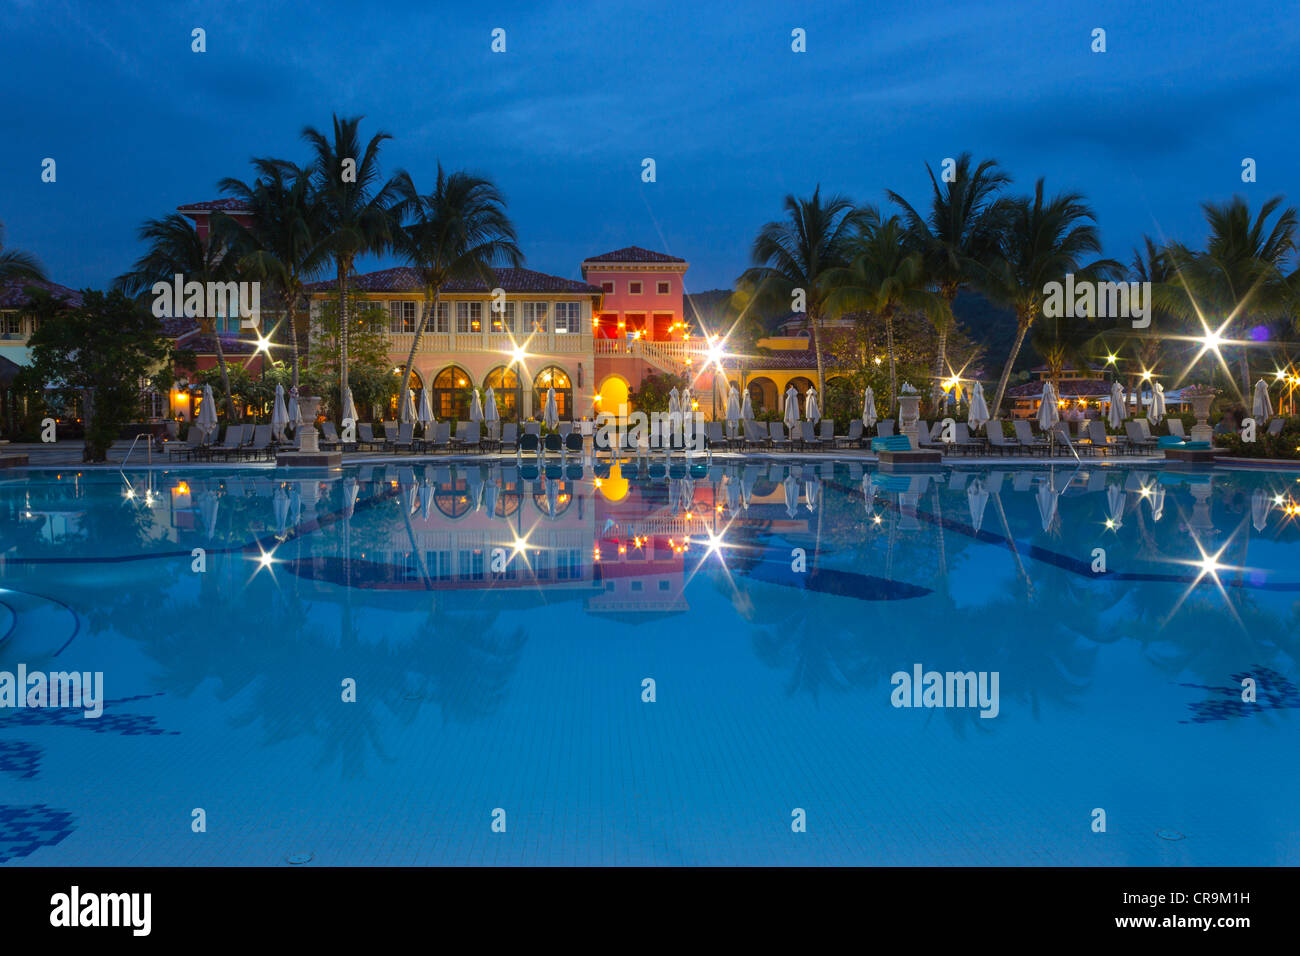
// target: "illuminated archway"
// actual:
[[553, 377], [762, 394], [504, 382], [451, 393], [613, 395]]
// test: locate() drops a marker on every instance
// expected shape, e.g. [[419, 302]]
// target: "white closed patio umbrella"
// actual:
[[977, 497], [791, 416], [1048, 413], [206, 419], [491, 415], [868, 408], [812, 487], [1115, 506], [293, 412], [1156, 413], [1260, 505], [1262, 407], [1156, 499], [811, 411], [674, 402], [279, 421], [1116, 414], [426, 412], [476, 409], [686, 401], [979, 408], [406, 408], [550, 417], [747, 408], [868, 494], [733, 411], [791, 489], [349, 406]]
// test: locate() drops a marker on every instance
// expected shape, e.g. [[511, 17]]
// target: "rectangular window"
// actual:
[[663, 288], [634, 288], [469, 317], [607, 287], [442, 319], [11, 323], [568, 317], [401, 317], [535, 317], [504, 321]]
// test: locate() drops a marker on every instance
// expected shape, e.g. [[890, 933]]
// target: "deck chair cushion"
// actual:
[[892, 443]]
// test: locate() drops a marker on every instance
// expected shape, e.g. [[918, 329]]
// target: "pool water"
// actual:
[[483, 664]]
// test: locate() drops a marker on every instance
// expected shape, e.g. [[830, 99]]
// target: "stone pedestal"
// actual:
[[909, 410], [309, 454], [1202, 431]]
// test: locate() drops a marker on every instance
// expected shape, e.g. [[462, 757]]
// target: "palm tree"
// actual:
[[284, 242], [795, 254], [458, 231], [17, 265], [175, 247], [1043, 241], [884, 276], [961, 229], [1239, 277], [354, 205]]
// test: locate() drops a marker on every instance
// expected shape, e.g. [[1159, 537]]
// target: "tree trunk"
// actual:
[[996, 410], [940, 361], [290, 305], [343, 266], [225, 374], [430, 307], [1245, 377], [893, 364], [817, 347]]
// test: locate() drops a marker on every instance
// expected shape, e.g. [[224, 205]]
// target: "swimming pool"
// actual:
[[503, 631]]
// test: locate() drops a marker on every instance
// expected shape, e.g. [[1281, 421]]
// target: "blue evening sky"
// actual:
[[138, 124]]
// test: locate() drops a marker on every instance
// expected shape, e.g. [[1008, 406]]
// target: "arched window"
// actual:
[[556, 378], [415, 388], [801, 385], [451, 394], [762, 394], [504, 383]]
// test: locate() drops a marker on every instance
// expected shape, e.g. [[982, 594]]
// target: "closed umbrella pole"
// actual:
[[1156, 413], [349, 406], [978, 415], [1262, 408], [279, 419], [810, 409], [550, 416], [476, 409], [405, 409], [426, 412], [1116, 415], [747, 408], [868, 408], [791, 416], [206, 419]]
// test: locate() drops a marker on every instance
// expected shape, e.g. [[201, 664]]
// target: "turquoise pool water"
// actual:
[[500, 626]]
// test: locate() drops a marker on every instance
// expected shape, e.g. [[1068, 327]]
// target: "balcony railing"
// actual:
[[538, 343]]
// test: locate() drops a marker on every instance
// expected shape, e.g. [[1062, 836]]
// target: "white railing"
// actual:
[[670, 356], [538, 343]]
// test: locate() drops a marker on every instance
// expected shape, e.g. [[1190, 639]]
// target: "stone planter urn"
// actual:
[[310, 436], [1202, 431], [909, 411]]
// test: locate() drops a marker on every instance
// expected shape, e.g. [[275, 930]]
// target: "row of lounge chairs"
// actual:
[[240, 441]]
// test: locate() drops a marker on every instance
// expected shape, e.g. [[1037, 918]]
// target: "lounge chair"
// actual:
[[467, 435], [197, 444], [230, 444], [999, 441], [509, 436], [564, 428], [573, 443], [1138, 439], [1098, 440], [884, 428], [366, 437], [966, 442], [713, 436], [1175, 426], [756, 435], [807, 437], [329, 436], [931, 437], [402, 439], [553, 444], [260, 446], [533, 428], [1274, 427], [1028, 440], [528, 442], [779, 441], [854, 437], [826, 433], [441, 437]]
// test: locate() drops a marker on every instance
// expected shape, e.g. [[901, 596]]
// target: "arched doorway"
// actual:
[[613, 396], [504, 383], [762, 394], [553, 377], [451, 394], [801, 385]]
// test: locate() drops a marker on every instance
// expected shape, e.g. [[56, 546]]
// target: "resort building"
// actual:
[[17, 323]]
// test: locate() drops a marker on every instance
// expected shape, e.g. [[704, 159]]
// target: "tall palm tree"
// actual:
[[1238, 278], [284, 242], [961, 229], [354, 202], [796, 253], [1043, 241], [17, 265], [174, 246], [460, 230], [884, 276]]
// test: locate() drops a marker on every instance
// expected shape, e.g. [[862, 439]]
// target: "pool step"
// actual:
[[33, 627]]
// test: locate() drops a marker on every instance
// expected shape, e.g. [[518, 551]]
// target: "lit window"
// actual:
[[535, 316], [504, 321], [469, 317], [568, 317], [401, 317]]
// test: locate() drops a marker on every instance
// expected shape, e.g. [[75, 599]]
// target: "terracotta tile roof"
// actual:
[[1070, 388], [634, 254], [13, 294], [405, 279], [211, 205], [206, 345]]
